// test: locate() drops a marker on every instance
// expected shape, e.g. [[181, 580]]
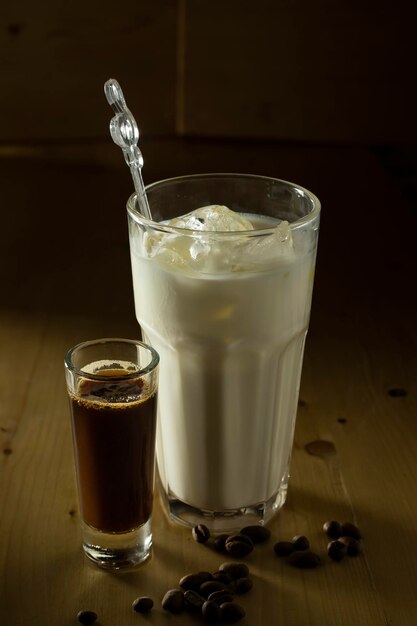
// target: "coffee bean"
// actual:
[[353, 546], [193, 601], [283, 548], [243, 585], [201, 533], [224, 595], [219, 542], [194, 581], [222, 577], [210, 587], [190, 581], [237, 549], [336, 550], [256, 533], [239, 546], [87, 617], [304, 559], [142, 604], [350, 530], [398, 392], [238, 537], [173, 600], [235, 570], [211, 612], [300, 542], [333, 529], [231, 612]]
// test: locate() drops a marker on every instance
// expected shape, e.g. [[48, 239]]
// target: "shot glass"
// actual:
[[112, 388]]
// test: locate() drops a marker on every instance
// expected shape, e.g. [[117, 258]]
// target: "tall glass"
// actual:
[[228, 313], [112, 386]]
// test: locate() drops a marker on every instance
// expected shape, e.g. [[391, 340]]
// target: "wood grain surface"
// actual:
[[65, 277]]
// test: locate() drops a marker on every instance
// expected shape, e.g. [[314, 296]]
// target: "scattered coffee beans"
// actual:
[[87, 617], [239, 546], [231, 612], [201, 533], [258, 534], [345, 537], [173, 601], [333, 529], [336, 550], [208, 595], [142, 604], [283, 548], [212, 595], [304, 559], [253, 534], [345, 541], [300, 542]]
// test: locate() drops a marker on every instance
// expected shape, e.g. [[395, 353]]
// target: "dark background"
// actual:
[[319, 93]]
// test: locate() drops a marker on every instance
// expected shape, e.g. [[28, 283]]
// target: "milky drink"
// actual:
[[228, 315]]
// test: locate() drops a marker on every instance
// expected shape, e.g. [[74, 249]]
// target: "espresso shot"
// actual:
[[114, 430], [112, 388]]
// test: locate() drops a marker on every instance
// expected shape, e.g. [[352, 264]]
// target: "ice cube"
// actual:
[[207, 252], [214, 217], [254, 252]]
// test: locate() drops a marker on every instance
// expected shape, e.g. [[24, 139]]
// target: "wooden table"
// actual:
[[65, 277]]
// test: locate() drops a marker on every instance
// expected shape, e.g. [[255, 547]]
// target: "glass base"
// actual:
[[230, 520], [117, 550]]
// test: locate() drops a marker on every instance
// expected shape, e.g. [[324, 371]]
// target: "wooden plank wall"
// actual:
[[284, 69], [58, 55]]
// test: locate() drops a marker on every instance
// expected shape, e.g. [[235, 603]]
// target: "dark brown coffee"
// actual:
[[114, 437]]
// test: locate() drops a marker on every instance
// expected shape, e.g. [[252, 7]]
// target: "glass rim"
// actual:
[[300, 222], [131, 375]]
